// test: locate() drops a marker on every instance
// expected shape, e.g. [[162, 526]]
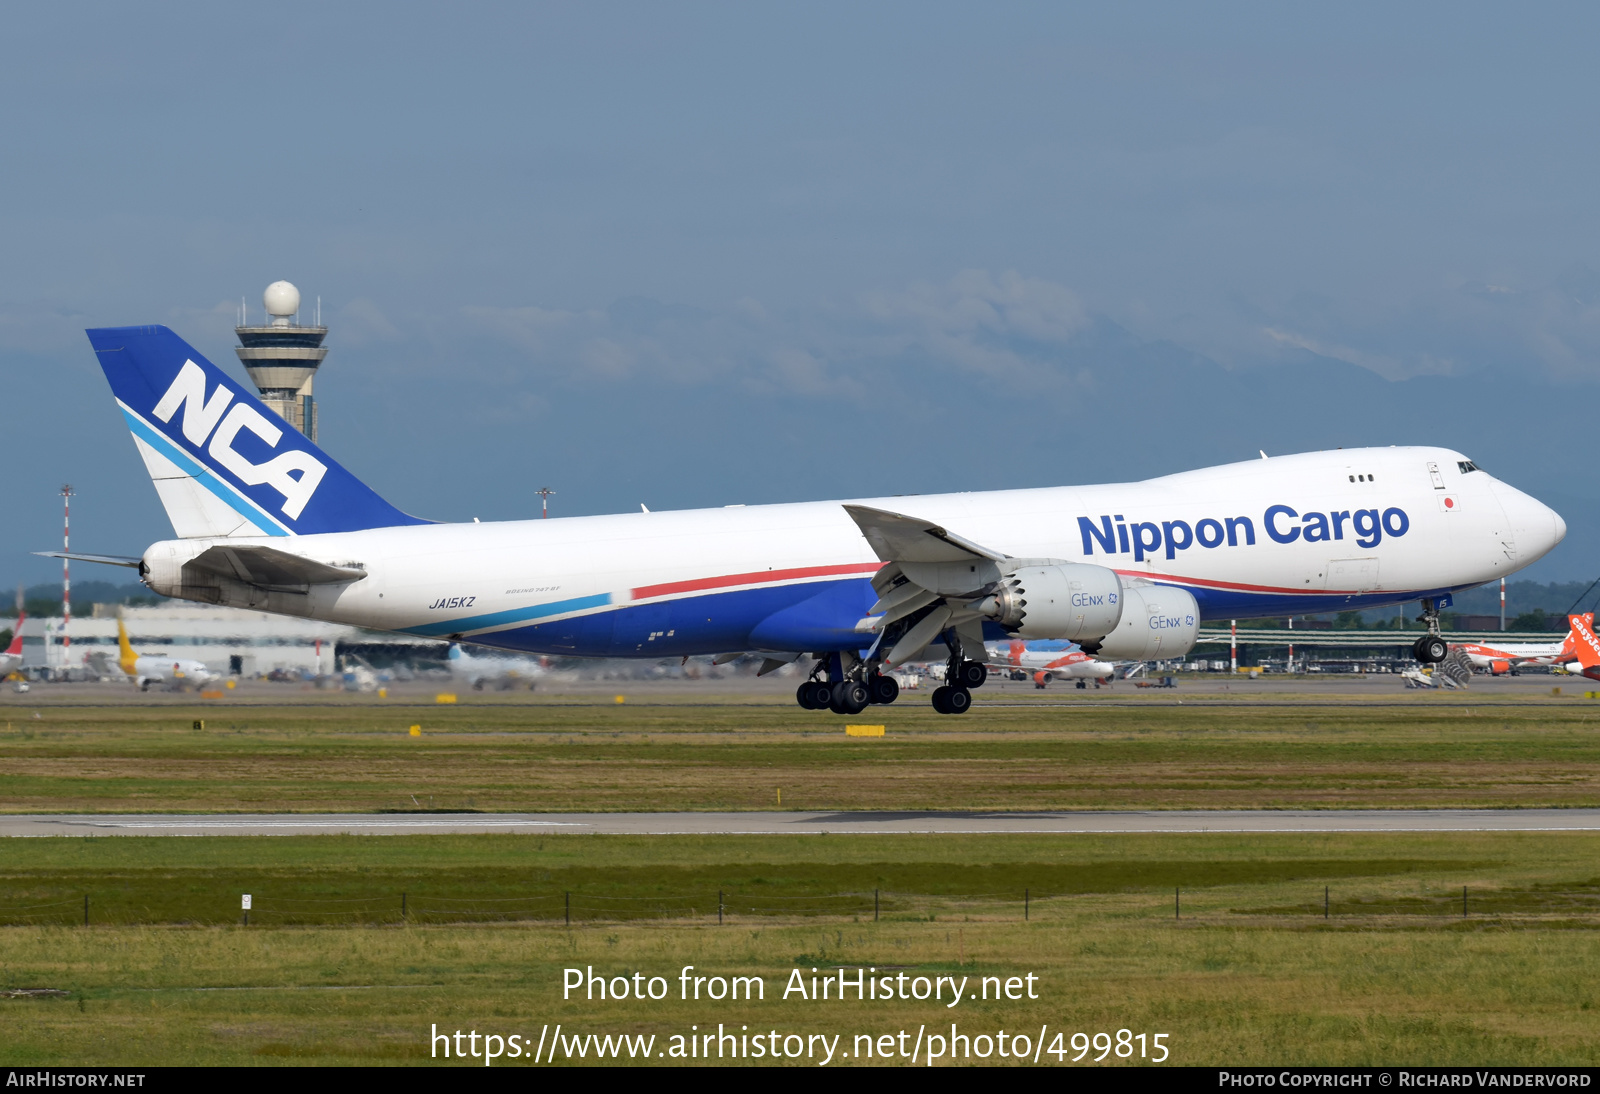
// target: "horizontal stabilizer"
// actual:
[[271, 568], [108, 560], [899, 538]]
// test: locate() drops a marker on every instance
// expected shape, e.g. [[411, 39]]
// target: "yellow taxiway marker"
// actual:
[[444, 697], [864, 731], [416, 731]]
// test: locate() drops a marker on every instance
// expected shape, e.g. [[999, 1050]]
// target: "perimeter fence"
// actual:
[[577, 908]]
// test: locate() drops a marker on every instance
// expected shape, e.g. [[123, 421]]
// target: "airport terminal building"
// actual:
[[228, 640]]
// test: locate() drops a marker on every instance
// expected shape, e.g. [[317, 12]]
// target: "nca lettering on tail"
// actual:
[[212, 418]]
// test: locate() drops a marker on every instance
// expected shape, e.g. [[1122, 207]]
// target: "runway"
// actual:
[[803, 824]]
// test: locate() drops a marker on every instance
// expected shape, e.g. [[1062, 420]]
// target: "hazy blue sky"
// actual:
[[696, 254]]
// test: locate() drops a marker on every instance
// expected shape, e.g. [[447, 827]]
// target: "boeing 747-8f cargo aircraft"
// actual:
[[264, 519]]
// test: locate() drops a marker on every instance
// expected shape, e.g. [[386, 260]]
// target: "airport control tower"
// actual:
[[282, 357]]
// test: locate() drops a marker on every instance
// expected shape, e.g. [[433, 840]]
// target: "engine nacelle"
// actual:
[[1158, 622], [1058, 600]]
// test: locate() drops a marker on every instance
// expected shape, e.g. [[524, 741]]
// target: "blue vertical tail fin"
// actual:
[[222, 462]]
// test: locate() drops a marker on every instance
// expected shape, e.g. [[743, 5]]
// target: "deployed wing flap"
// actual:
[[925, 566], [899, 538], [271, 568]]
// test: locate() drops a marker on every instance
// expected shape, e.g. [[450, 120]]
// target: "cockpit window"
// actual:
[[1466, 466]]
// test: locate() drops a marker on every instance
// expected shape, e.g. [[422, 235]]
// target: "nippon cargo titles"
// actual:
[[1113, 534]]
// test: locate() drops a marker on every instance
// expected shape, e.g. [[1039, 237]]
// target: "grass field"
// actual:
[[579, 755], [334, 968], [1252, 973]]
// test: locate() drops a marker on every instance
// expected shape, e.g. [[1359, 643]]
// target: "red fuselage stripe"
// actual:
[[1241, 587], [760, 577]]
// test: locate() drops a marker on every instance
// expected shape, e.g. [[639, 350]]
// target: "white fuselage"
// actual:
[[1513, 653], [1294, 535], [159, 669], [1046, 665]]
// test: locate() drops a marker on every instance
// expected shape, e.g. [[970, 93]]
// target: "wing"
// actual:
[[899, 538], [931, 581]]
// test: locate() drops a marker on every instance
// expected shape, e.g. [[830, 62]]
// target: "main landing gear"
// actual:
[[845, 684], [846, 690], [1431, 648], [956, 696]]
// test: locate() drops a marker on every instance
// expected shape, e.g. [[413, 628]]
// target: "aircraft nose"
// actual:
[[1536, 527]]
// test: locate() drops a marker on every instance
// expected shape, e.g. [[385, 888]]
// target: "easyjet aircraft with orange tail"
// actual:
[[11, 659], [1585, 647], [1507, 657], [1045, 665]]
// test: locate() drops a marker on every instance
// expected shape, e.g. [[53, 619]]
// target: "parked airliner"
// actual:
[[1507, 656], [265, 519], [500, 671], [1585, 647], [147, 669], [11, 659], [1046, 661]]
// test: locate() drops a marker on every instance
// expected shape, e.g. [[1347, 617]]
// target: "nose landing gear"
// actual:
[[1431, 648]]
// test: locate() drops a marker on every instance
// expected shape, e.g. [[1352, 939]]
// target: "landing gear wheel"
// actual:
[[883, 689], [959, 701], [1430, 649], [815, 695], [849, 697], [941, 696], [971, 674]]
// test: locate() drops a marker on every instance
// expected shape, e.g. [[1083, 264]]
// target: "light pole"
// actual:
[[544, 493], [66, 576]]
